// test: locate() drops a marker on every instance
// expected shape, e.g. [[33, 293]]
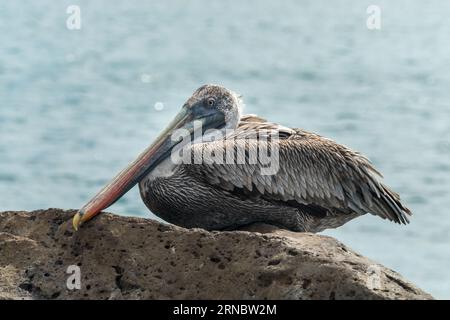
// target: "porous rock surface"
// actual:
[[134, 258]]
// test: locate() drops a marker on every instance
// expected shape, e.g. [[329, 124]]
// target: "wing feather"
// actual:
[[312, 170]]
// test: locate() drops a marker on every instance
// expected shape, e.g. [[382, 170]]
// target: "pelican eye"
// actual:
[[211, 102]]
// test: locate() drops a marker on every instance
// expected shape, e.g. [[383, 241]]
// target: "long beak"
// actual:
[[132, 174]]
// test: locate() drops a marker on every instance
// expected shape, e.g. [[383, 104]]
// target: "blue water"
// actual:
[[78, 105]]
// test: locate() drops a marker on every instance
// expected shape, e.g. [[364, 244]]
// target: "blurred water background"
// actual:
[[77, 105]]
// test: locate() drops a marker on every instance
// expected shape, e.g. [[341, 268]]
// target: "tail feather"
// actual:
[[388, 205]]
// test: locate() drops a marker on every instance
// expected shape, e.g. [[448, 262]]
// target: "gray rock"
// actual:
[[133, 258]]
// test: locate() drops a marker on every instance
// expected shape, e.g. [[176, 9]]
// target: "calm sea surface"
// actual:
[[77, 105]]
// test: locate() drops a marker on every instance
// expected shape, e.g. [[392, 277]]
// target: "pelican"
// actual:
[[317, 184]]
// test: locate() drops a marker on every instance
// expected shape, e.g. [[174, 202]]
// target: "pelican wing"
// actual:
[[312, 171]]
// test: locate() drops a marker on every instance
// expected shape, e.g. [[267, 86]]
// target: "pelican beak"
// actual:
[[146, 161], [132, 174]]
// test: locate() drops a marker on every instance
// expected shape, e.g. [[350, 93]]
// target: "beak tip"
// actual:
[[76, 221]]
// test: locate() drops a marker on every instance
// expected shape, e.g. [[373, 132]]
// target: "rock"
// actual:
[[133, 258]]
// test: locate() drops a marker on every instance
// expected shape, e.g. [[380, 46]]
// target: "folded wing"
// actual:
[[312, 171]]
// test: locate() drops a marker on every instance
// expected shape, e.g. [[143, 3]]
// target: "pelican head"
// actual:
[[214, 106]]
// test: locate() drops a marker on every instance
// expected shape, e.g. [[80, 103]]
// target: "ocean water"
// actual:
[[77, 105]]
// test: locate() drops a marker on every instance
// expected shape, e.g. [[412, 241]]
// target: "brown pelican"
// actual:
[[318, 183]]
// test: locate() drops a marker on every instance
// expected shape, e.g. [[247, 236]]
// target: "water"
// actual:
[[76, 106]]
